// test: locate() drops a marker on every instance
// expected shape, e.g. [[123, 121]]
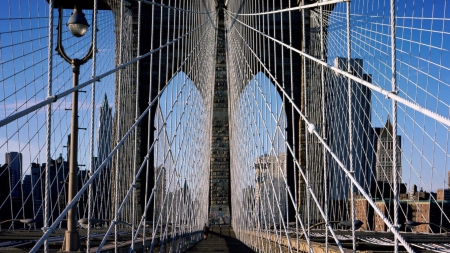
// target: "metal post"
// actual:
[[71, 236]]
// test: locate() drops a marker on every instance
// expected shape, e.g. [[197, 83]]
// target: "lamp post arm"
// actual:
[[62, 52], [59, 47], [88, 56], [319, 224]]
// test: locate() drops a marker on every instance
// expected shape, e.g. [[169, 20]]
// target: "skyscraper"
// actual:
[[385, 150], [104, 132], [14, 161], [103, 183], [339, 126], [36, 182], [345, 123]]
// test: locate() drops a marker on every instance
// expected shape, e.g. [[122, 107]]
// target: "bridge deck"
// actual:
[[220, 239]]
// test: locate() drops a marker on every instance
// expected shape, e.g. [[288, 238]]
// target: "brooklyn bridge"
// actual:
[[224, 125]]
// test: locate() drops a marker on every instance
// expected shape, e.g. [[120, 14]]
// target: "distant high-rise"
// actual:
[[36, 182], [58, 175], [160, 194], [14, 161], [270, 192], [103, 182], [26, 185], [384, 155], [104, 131], [448, 182]]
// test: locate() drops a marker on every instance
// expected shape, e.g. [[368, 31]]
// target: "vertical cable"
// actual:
[[159, 89], [136, 134], [394, 121], [149, 128], [325, 167], [293, 125], [49, 121], [305, 91], [350, 126], [92, 135], [118, 132]]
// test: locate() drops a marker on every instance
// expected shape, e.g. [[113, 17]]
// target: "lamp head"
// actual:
[[348, 223], [85, 221], [29, 222], [77, 23]]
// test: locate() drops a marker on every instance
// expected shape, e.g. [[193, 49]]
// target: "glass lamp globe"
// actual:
[[78, 24]]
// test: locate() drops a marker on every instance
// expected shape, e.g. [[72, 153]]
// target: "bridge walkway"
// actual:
[[221, 239]]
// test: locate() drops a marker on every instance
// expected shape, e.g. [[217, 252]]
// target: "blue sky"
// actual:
[[423, 74], [182, 137], [23, 78], [261, 123]]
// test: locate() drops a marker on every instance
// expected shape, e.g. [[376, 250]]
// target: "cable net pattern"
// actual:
[[338, 123], [355, 100], [144, 98]]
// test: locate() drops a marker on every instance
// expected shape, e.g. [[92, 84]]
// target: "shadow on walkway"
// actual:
[[221, 239]]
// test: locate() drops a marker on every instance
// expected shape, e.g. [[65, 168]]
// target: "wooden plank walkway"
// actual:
[[221, 239]]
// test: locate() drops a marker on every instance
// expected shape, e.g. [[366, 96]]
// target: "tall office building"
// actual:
[[339, 127], [270, 191], [345, 125], [384, 155], [14, 161], [36, 182]]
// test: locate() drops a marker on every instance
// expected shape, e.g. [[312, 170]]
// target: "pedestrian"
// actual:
[[205, 231]]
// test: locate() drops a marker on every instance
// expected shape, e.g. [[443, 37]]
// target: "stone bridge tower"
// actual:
[[220, 199]]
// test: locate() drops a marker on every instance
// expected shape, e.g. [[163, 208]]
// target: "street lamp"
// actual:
[[411, 224], [71, 236], [78, 27]]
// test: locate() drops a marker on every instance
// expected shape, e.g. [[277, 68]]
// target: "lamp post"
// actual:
[[78, 27], [345, 223]]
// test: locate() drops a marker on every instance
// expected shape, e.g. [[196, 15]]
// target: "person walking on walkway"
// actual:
[[205, 232]]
